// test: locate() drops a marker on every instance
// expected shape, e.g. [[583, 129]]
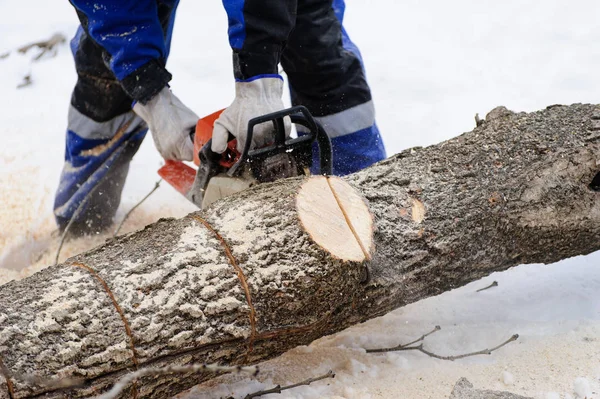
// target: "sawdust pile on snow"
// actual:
[[29, 237], [582, 388]]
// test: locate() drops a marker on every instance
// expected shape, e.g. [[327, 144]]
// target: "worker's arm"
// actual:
[[133, 40], [258, 31], [135, 44]]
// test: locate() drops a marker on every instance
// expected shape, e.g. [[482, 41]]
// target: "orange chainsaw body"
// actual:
[[180, 175], [220, 175]]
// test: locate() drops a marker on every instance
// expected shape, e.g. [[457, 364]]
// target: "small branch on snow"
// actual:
[[456, 357], [402, 346], [494, 284], [120, 385], [156, 185], [26, 82], [408, 347], [47, 46], [279, 388]]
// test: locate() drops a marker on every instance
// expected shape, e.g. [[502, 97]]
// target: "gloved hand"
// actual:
[[252, 98], [170, 122]]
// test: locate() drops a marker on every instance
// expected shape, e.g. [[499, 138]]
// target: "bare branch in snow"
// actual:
[[156, 185], [408, 347], [279, 388], [456, 357], [26, 82], [47, 46], [494, 284], [402, 346]]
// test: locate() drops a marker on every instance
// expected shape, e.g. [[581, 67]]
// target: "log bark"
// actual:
[[247, 280]]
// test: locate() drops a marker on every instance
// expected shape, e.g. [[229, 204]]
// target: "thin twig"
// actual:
[[47, 46], [494, 284], [434, 355], [402, 346], [26, 81], [456, 357], [156, 185], [120, 385], [279, 388], [408, 347]]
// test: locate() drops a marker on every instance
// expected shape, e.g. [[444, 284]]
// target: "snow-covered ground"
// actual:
[[432, 65]]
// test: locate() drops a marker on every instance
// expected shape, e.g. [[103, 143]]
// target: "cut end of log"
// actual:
[[336, 217]]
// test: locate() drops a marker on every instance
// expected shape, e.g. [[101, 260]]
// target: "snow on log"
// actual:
[[282, 264]]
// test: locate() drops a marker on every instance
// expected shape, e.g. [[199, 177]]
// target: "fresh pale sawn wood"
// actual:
[[336, 218]]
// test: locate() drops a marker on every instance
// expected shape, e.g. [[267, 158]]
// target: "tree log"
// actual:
[[282, 264]]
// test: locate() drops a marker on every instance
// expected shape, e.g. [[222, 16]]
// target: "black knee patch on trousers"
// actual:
[[324, 77], [97, 94]]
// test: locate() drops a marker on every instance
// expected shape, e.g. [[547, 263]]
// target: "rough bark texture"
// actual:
[[515, 190]]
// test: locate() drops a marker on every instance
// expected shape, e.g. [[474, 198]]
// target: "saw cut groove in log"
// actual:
[[514, 190], [241, 276], [121, 315], [356, 214]]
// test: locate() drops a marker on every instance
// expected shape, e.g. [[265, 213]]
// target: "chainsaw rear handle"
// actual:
[[298, 115], [323, 142]]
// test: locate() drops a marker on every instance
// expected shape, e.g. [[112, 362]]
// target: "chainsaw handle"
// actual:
[[277, 119], [298, 115], [323, 142]]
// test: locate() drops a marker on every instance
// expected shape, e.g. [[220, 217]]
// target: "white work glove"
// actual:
[[255, 98], [170, 123]]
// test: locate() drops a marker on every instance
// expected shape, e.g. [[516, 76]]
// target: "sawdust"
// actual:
[[29, 237], [24, 224]]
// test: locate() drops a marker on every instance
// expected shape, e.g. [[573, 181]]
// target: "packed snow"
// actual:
[[507, 378], [582, 388], [432, 65]]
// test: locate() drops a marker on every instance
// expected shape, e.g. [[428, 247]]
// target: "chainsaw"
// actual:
[[220, 175]]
